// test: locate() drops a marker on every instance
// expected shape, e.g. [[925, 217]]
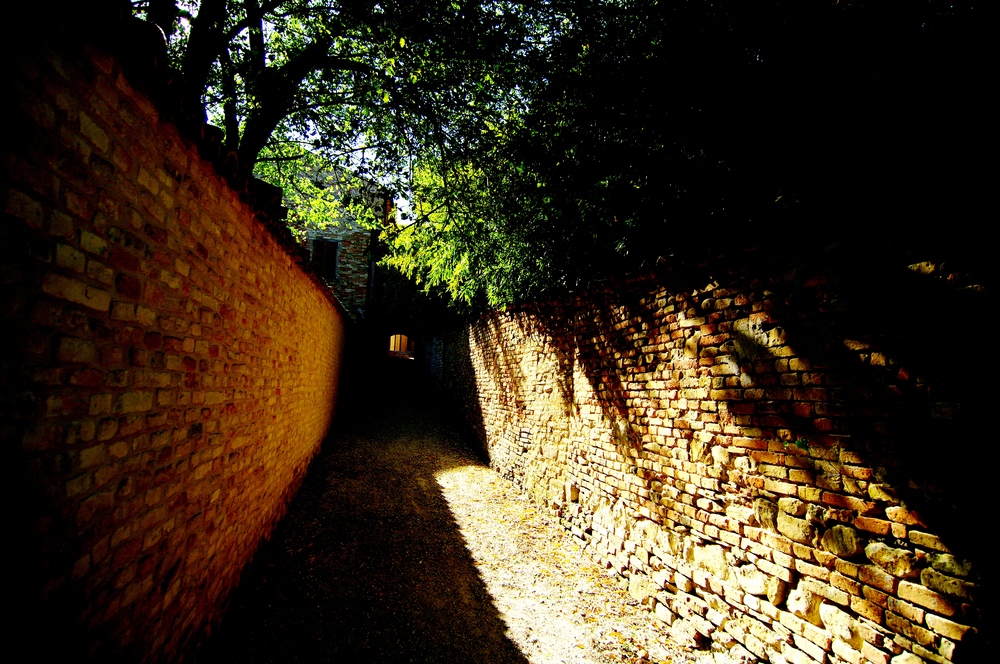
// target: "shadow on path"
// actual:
[[369, 564]]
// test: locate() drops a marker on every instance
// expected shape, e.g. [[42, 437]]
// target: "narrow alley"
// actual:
[[402, 547]]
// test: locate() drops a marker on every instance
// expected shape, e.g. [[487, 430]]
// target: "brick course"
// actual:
[[173, 368]]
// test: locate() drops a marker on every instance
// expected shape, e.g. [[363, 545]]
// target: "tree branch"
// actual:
[[164, 14], [205, 45], [232, 120], [295, 157], [247, 21], [256, 58], [275, 91]]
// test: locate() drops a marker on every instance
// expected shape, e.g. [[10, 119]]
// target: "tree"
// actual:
[[548, 143], [653, 129], [361, 86]]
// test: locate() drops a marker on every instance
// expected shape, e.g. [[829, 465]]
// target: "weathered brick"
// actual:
[[874, 576], [871, 525], [826, 591], [866, 609], [96, 135], [60, 224], [123, 311], [846, 652], [816, 652], [76, 291], [70, 257], [145, 316], [131, 402], [119, 450], [926, 598], [100, 272], [128, 286], [24, 207], [78, 484], [873, 654], [845, 583], [783, 488], [93, 456], [906, 610], [121, 259], [100, 404], [74, 349], [901, 625], [928, 541], [107, 429], [93, 243], [903, 515], [947, 628], [849, 502], [146, 180]]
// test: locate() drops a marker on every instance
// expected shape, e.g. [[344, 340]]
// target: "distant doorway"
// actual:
[[401, 346]]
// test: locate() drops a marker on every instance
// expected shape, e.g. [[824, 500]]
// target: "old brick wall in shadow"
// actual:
[[784, 454]]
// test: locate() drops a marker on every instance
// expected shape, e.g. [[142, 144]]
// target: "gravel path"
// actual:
[[402, 547]]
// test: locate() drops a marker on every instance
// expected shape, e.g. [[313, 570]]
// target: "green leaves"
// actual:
[[545, 144], [645, 129], [368, 89]]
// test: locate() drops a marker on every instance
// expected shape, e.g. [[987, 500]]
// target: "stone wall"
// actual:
[[781, 458], [170, 370]]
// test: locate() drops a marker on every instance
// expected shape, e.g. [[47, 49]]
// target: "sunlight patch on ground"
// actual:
[[558, 606]]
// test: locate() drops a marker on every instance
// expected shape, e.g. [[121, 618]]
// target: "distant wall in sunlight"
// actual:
[[784, 457], [169, 369]]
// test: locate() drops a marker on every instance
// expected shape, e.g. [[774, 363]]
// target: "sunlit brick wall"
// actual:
[[770, 452], [170, 370]]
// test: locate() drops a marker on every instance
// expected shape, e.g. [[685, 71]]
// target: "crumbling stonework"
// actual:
[[735, 447], [171, 370]]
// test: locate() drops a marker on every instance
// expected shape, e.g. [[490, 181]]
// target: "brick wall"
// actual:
[[784, 459], [350, 286], [169, 372]]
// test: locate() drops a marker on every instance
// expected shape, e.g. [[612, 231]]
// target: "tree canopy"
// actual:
[[656, 129], [546, 143], [364, 86]]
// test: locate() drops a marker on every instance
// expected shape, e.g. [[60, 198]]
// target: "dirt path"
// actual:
[[401, 547]]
